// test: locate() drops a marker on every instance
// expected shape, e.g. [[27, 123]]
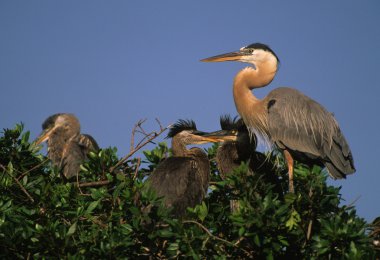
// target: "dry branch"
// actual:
[[148, 137]]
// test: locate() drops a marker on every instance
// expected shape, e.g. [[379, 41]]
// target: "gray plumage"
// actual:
[[308, 131], [67, 148], [231, 154], [298, 125], [182, 180]]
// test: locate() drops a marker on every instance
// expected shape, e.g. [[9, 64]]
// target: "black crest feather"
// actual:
[[181, 125], [49, 122], [262, 46], [229, 123]]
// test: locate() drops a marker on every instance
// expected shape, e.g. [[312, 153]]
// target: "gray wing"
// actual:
[[75, 152], [303, 126], [88, 143], [72, 158], [176, 179]]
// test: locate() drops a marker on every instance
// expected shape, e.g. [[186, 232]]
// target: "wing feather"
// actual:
[[300, 124]]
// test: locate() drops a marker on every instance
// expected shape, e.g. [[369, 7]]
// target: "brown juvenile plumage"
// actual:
[[182, 180], [67, 148]]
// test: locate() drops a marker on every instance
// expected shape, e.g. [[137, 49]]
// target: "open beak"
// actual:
[[222, 135], [44, 136], [231, 56]]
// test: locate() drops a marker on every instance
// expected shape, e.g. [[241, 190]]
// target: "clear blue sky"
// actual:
[[114, 62]]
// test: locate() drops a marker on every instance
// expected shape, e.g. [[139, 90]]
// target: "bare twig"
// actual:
[[137, 168], [145, 140], [215, 237], [239, 240], [35, 167], [354, 201], [18, 183], [77, 183], [93, 184], [140, 122], [309, 229]]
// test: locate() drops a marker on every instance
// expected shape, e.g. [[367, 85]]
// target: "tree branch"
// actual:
[[18, 183], [93, 183], [215, 237], [145, 140], [35, 167]]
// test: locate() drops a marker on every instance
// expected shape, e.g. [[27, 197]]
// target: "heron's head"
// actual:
[[254, 54], [185, 132], [66, 125]]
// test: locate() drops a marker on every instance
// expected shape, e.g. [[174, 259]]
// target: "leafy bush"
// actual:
[[105, 215]]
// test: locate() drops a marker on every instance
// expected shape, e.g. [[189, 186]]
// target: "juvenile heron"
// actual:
[[238, 147], [298, 125], [182, 180], [235, 150], [67, 148]]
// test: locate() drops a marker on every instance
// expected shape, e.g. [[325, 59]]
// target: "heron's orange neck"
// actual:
[[250, 108]]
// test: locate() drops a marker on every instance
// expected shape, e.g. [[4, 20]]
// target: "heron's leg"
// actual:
[[290, 161]]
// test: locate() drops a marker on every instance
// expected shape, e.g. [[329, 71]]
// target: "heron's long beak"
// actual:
[[44, 136], [222, 135], [203, 137], [231, 56]]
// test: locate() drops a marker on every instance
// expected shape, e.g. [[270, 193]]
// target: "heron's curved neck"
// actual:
[[250, 78], [248, 106], [179, 148]]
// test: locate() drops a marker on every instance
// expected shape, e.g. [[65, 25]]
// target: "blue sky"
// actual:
[[113, 63]]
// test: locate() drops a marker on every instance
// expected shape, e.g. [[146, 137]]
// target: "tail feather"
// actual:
[[339, 161]]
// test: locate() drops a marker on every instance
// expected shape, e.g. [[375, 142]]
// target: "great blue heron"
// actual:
[[67, 148], [298, 125], [182, 180]]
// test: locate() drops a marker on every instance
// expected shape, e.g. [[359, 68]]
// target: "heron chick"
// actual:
[[182, 180], [239, 147], [67, 147]]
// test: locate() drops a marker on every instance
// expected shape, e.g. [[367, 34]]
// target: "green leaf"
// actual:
[[241, 231], [72, 229], [165, 233], [202, 211], [91, 207], [256, 239], [290, 198], [293, 220], [173, 247], [10, 168], [34, 239]]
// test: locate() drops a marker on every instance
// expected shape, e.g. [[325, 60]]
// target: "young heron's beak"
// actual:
[[223, 135], [44, 136], [200, 137], [231, 56]]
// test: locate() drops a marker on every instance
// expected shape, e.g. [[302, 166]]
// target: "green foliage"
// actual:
[[113, 216]]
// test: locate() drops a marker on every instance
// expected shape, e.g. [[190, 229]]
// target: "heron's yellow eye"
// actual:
[[234, 132], [249, 50]]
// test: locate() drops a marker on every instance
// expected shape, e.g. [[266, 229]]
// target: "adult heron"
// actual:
[[297, 124], [182, 180], [67, 147]]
